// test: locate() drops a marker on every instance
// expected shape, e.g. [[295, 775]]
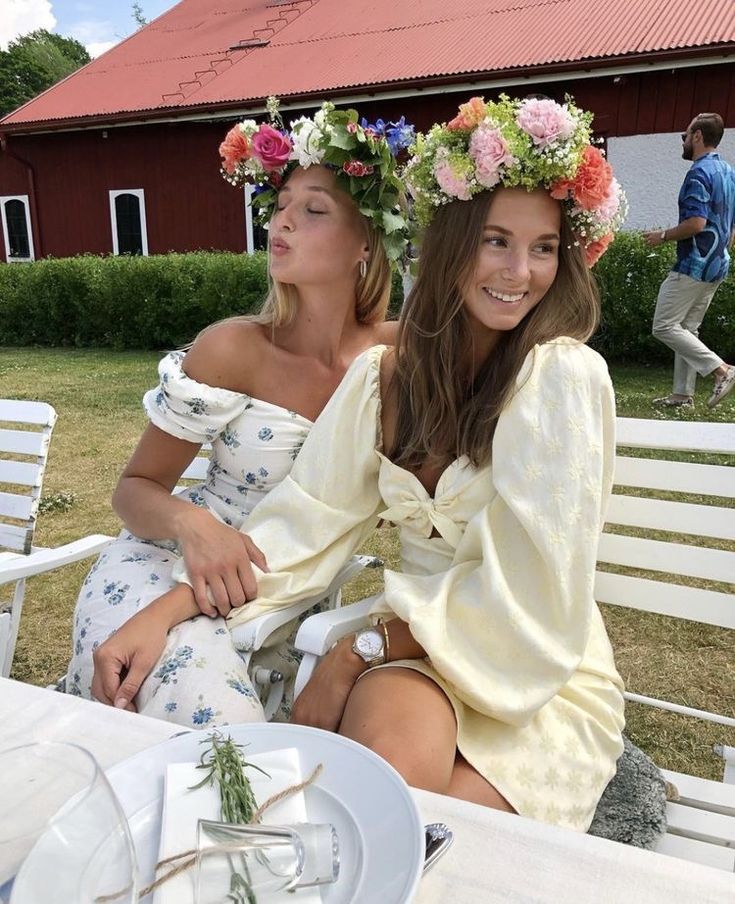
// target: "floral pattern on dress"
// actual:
[[254, 444]]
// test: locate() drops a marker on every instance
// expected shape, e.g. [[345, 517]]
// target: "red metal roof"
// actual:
[[184, 59]]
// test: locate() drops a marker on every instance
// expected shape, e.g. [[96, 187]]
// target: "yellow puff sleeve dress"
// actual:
[[502, 600]]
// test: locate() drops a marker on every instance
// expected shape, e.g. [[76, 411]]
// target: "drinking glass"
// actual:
[[244, 861], [63, 835]]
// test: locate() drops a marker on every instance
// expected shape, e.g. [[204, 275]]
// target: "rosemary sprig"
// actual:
[[226, 766]]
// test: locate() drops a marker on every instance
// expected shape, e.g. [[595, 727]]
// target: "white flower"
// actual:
[[248, 127], [306, 138]]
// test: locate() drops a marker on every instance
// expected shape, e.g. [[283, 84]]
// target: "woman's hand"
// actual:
[[218, 557], [124, 661], [322, 702]]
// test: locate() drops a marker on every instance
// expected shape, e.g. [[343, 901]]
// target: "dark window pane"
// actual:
[[129, 228], [260, 237], [15, 215]]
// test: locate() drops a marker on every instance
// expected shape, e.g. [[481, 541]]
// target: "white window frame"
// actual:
[[6, 236], [249, 236], [140, 195]]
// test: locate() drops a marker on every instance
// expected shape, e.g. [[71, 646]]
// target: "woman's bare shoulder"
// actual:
[[227, 353], [387, 369], [386, 332]]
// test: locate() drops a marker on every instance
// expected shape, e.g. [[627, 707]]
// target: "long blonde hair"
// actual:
[[442, 411]]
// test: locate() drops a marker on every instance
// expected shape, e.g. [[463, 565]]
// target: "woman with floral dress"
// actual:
[[252, 387]]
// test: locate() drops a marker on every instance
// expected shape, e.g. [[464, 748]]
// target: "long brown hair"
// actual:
[[442, 411]]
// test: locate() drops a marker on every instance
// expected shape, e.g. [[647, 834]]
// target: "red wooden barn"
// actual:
[[121, 156]]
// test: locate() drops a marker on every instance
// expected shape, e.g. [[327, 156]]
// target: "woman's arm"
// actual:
[[216, 556], [124, 660], [322, 702]]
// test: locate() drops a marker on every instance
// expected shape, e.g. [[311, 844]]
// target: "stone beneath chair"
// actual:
[[632, 809]]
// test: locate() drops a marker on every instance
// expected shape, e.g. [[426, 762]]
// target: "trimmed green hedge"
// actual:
[[629, 276], [163, 301]]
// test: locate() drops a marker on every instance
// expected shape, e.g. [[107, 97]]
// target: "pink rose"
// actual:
[[351, 127], [271, 148], [451, 183], [610, 204], [545, 121], [357, 168], [490, 152], [234, 149]]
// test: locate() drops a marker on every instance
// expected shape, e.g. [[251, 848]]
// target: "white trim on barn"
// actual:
[[4, 199], [138, 193], [249, 238]]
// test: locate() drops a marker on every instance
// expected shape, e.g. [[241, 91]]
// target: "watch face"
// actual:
[[369, 643]]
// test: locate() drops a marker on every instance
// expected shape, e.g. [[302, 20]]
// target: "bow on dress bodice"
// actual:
[[410, 506]]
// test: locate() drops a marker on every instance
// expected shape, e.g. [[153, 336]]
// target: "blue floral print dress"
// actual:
[[200, 680]]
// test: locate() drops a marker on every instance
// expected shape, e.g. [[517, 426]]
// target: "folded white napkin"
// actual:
[[183, 807]]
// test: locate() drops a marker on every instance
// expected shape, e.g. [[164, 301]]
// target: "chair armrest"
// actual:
[[41, 560], [252, 635], [318, 633]]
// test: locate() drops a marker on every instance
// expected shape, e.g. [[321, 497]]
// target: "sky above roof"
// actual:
[[98, 24]]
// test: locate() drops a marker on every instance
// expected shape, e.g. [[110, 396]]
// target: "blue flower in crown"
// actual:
[[377, 127], [399, 135]]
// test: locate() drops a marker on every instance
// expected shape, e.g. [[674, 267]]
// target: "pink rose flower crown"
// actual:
[[527, 143], [362, 156]]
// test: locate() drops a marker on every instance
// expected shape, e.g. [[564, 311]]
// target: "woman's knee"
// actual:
[[406, 719]]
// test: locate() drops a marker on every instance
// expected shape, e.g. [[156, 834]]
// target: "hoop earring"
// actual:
[[363, 268]]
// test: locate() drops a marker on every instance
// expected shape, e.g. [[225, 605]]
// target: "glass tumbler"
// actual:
[[63, 835]]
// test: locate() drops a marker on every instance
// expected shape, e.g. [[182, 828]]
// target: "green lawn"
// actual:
[[97, 396]]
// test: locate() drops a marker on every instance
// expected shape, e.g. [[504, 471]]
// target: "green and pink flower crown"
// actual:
[[362, 156], [529, 143]]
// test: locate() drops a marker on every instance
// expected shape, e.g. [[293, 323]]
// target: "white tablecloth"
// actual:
[[496, 858]]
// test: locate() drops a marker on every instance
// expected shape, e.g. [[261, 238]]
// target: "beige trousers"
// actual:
[[680, 309]]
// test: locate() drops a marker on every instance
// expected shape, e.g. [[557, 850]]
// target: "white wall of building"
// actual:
[[650, 169]]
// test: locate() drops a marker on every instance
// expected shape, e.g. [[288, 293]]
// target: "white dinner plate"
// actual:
[[379, 827]]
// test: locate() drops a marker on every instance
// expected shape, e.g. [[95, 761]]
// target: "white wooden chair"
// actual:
[[25, 434], [702, 822]]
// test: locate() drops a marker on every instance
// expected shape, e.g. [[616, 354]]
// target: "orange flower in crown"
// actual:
[[590, 185], [470, 114]]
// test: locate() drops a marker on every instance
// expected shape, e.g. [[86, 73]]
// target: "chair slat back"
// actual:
[[23, 454], [677, 476], [678, 436], [672, 555]]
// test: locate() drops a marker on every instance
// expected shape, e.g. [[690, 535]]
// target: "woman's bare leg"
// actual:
[[467, 784], [405, 718]]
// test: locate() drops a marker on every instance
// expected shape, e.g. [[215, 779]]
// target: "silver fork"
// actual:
[[439, 837]]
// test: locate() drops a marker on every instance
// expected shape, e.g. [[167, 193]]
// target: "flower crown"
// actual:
[[530, 143], [362, 157]]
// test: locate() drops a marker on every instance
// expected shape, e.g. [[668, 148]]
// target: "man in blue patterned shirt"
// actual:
[[703, 236]]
